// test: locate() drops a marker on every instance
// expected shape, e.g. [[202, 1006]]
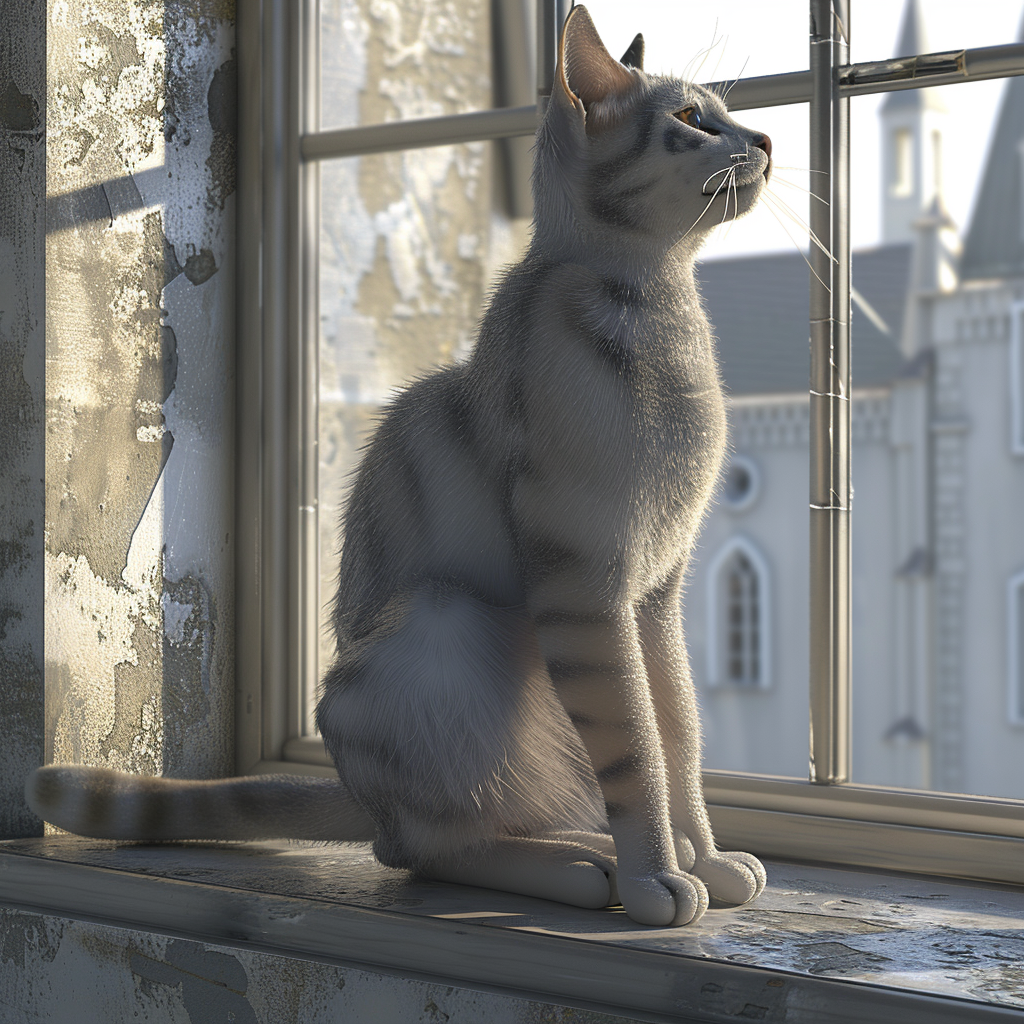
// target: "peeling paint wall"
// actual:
[[58, 969], [139, 381], [22, 298]]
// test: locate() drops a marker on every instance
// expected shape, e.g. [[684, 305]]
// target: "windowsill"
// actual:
[[821, 944]]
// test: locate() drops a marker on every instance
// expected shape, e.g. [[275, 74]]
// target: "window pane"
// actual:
[[938, 534], [881, 29], [709, 42], [408, 244], [396, 61]]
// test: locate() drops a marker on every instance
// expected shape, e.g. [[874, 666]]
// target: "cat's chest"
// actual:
[[631, 417]]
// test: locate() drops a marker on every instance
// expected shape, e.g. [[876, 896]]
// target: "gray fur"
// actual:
[[511, 676]]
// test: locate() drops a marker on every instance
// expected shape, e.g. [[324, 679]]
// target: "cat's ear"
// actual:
[[634, 56], [586, 70]]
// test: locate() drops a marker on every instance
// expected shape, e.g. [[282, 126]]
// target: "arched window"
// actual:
[[738, 617]]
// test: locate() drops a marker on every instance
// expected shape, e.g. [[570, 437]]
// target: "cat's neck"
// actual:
[[633, 263]]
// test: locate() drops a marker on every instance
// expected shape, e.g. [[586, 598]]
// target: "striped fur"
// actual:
[[510, 704]]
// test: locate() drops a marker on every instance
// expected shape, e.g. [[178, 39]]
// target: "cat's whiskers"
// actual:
[[725, 95], [730, 182], [784, 207], [792, 184], [724, 170], [710, 201], [803, 255], [702, 55]]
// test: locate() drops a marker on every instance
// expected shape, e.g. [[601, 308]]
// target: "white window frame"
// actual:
[[717, 630], [826, 819]]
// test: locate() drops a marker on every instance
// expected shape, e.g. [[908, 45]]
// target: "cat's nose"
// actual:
[[763, 142]]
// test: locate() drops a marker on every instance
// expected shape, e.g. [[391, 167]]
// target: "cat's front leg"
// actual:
[[732, 877], [597, 669]]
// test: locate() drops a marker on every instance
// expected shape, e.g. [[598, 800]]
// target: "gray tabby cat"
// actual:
[[511, 704]]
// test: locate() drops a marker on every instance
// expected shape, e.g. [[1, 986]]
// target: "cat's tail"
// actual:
[[105, 804]]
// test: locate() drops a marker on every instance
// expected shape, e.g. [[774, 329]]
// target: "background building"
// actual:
[[938, 473]]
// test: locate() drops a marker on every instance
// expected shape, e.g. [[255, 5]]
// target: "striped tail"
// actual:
[[105, 804]]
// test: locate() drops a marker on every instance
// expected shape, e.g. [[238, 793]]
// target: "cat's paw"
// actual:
[[668, 898], [733, 878]]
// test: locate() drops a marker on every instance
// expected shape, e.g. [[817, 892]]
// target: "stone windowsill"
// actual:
[[820, 945]]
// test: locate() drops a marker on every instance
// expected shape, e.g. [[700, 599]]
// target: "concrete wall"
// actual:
[[139, 338], [58, 969], [22, 312], [124, 208]]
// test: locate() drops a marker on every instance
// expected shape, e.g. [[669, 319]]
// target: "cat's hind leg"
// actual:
[[444, 727]]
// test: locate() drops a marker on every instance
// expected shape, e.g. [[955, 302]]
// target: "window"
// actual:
[[903, 162], [290, 150], [741, 484], [739, 625]]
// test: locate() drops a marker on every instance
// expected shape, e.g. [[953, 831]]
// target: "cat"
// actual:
[[510, 705]]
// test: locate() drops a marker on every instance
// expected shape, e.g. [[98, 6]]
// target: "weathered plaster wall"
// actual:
[[58, 969], [22, 297], [139, 342]]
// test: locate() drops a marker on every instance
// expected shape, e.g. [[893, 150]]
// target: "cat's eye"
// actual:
[[690, 116]]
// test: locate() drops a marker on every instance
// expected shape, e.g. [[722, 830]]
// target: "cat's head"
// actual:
[[645, 159]]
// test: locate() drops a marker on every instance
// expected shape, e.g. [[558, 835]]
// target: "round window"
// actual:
[[741, 483]]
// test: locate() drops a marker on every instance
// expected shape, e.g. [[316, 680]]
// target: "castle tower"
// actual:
[[913, 126]]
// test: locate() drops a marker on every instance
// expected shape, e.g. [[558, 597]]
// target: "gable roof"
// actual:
[[994, 240], [759, 308]]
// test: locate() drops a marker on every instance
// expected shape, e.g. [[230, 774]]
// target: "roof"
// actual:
[[912, 40], [993, 246], [759, 308]]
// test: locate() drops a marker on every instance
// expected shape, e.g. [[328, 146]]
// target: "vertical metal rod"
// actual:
[[307, 323], [291, 340], [830, 398], [277, 256]]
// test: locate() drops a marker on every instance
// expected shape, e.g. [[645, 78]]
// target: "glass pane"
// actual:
[[409, 243], [754, 283], [709, 42], [397, 61], [882, 29], [938, 534]]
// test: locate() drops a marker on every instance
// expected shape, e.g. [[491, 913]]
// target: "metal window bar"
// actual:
[[830, 596], [765, 91], [827, 87]]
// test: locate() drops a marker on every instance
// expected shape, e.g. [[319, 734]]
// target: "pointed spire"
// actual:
[[913, 40], [994, 244]]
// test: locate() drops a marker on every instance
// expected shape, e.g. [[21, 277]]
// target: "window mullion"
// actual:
[[829, 397]]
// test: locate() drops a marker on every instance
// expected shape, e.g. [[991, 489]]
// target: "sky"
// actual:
[[763, 37]]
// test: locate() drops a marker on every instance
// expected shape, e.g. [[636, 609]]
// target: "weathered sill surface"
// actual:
[[820, 945]]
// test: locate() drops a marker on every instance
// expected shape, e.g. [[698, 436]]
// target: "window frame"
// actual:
[[827, 818]]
